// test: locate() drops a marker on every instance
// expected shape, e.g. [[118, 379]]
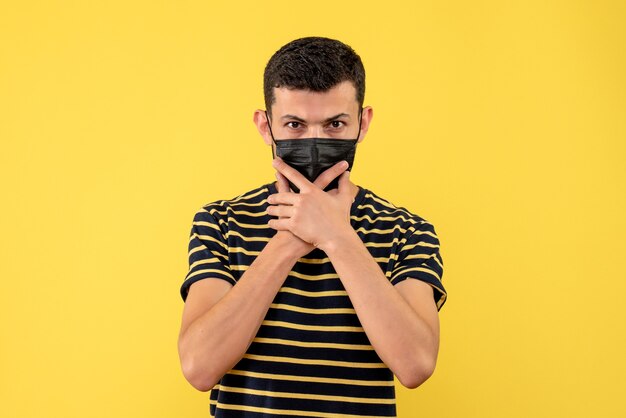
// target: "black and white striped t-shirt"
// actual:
[[311, 357]]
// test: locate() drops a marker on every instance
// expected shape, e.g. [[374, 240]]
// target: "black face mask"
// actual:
[[311, 156]]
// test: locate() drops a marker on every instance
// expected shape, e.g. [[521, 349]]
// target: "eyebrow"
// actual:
[[294, 117]]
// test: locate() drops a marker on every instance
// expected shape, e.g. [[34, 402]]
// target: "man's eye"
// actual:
[[336, 124], [293, 125]]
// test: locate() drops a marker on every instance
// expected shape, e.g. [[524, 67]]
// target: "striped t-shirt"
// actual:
[[311, 357]]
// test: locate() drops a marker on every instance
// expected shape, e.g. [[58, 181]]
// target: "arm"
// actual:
[[220, 320], [401, 321], [219, 323]]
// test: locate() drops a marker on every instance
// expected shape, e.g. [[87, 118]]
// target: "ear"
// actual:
[[366, 119], [260, 120]]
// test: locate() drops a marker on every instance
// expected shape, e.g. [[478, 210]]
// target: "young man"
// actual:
[[313, 313]]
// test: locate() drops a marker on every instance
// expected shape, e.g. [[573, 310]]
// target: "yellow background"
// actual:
[[503, 123]]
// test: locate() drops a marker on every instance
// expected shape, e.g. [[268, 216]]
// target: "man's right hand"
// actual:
[[301, 247]]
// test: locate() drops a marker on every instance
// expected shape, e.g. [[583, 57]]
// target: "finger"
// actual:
[[344, 182], [283, 184], [292, 174], [282, 211], [330, 174], [283, 198], [279, 224]]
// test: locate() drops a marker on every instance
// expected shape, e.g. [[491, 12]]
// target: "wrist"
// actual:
[[292, 247], [344, 238]]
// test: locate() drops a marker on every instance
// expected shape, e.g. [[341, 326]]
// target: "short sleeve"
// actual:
[[208, 252], [419, 258]]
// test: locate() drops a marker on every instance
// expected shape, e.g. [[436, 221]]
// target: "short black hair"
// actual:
[[313, 63]]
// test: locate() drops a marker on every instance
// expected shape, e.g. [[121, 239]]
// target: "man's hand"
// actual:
[[313, 215], [300, 247]]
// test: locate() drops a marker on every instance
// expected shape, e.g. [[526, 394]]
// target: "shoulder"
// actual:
[[385, 212], [249, 202]]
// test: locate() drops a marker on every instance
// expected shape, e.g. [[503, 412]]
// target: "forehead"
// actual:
[[341, 98]]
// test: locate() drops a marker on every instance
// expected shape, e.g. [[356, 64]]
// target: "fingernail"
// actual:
[[345, 164]]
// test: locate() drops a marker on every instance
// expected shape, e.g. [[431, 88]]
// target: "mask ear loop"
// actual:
[[269, 125], [360, 119]]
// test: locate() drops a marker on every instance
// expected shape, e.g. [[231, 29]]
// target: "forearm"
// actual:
[[218, 339], [400, 337]]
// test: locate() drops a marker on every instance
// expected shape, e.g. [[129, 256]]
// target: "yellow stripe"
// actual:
[[318, 311], [380, 231], [394, 211], [385, 203], [442, 298], [290, 412], [422, 269], [245, 212], [383, 244], [314, 260], [398, 227], [239, 267], [419, 256], [223, 222], [261, 203], [244, 251], [325, 293], [389, 205], [195, 273], [314, 277], [251, 226], [205, 261], [432, 234], [249, 195], [387, 218], [312, 379], [215, 253], [421, 244], [237, 212], [315, 362], [438, 262], [324, 328], [196, 249], [248, 239], [308, 396], [307, 344], [413, 231], [207, 224], [241, 224], [391, 212], [202, 247], [210, 238], [327, 260]]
